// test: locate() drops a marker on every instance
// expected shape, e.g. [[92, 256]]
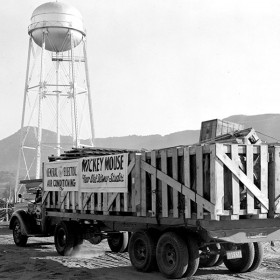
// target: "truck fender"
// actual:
[[24, 219]]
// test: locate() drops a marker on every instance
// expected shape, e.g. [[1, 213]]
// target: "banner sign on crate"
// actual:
[[61, 176], [104, 173]]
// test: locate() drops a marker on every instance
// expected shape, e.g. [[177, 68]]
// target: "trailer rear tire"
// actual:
[[193, 252], [258, 256], [142, 251], [64, 238], [208, 258], [219, 261], [19, 238], [172, 255], [242, 264], [118, 242]]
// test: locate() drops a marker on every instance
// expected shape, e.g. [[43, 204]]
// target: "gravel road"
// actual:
[[39, 260]]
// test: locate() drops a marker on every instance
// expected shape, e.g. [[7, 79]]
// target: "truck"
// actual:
[[173, 209]]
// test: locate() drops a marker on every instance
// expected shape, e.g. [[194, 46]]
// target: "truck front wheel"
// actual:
[[19, 238], [64, 238]]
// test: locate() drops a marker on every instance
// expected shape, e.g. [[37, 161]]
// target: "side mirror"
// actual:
[[19, 195]]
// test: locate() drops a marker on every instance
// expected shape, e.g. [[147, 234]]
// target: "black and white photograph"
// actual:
[[140, 139]]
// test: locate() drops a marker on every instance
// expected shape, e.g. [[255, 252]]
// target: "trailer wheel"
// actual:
[[241, 264], [210, 256], [64, 238], [219, 261], [142, 251], [19, 238], [172, 255], [193, 252], [258, 256], [118, 242]]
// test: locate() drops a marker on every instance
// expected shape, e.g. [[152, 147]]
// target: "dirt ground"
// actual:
[[39, 260]]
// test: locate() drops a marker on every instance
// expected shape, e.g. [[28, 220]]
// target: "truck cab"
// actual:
[[27, 216]]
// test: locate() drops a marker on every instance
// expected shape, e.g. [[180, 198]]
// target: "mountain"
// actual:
[[9, 147], [151, 141], [267, 124]]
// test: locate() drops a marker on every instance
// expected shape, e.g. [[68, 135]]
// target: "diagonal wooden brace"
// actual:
[[185, 190], [234, 168]]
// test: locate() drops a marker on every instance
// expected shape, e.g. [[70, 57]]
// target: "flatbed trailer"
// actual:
[[174, 208]]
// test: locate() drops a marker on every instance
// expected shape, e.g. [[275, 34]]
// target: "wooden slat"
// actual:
[[242, 177], [99, 202], [56, 200], [92, 203], [112, 199], [235, 182], [80, 200], [130, 166], [218, 181], [48, 201], [199, 179], [118, 203], [143, 186], [154, 185], [175, 177], [133, 175], [264, 173], [138, 185], [62, 200], [250, 175], [187, 181], [45, 197], [85, 199], [214, 199], [67, 201], [163, 156], [274, 181], [105, 204], [73, 201], [125, 202]]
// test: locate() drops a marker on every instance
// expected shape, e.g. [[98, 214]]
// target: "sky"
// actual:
[[158, 66]]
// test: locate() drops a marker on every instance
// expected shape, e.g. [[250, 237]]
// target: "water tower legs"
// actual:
[[57, 97]]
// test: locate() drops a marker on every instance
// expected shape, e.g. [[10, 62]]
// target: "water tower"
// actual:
[[57, 90]]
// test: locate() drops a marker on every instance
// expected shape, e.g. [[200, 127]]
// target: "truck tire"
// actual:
[[242, 264], [19, 238], [142, 251], [219, 261], [172, 255], [258, 258], [118, 242], [64, 238], [210, 255], [78, 241], [193, 252]]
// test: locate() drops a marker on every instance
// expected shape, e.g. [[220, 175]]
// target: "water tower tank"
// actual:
[[57, 19]]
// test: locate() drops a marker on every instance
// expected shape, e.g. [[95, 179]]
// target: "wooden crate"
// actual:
[[217, 181], [207, 182], [213, 128]]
